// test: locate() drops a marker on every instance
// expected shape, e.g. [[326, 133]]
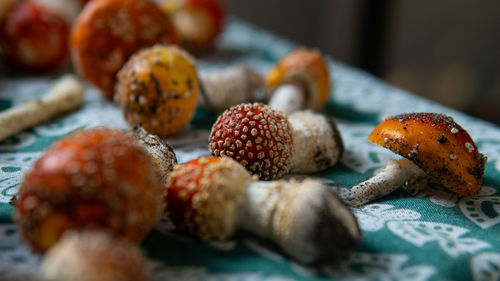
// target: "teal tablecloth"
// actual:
[[432, 236]]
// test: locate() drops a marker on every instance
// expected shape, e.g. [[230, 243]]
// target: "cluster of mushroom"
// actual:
[[100, 191], [34, 34]]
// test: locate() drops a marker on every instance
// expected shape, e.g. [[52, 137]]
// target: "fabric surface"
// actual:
[[434, 235]]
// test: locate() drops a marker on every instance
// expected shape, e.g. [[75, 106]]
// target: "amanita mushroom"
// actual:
[[270, 144], [93, 256], [198, 22], [93, 179], [435, 148], [212, 197], [35, 33], [299, 81], [108, 32], [158, 89]]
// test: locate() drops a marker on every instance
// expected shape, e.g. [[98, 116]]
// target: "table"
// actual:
[[434, 235]]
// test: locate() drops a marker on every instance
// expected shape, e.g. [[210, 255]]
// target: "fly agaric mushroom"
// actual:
[[270, 144], [198, 22], [97, 178], [158, 88], [212, 197], [35, 33], [93, 256], [108, 32], [299, 81], [435, 148]]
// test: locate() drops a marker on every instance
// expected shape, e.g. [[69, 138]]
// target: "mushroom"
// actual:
[[35, 33], [93, 256], [158, 89], [299, 81], [108, 32], [211, 198], [96, 178], [435, 148], [66, 95], [270, 144], [198, 22]]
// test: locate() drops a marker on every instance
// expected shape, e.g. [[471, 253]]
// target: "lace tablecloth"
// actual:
[[434, 235]]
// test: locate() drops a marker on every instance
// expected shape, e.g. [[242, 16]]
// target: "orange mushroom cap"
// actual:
[[438, 145], [108, 32], [305, 66]]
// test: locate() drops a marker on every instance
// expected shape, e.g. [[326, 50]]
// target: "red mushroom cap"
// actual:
[[203, 196], [257, 136], [97, 178], [34, 37]]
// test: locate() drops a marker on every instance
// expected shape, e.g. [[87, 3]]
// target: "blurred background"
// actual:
[[447, 51]]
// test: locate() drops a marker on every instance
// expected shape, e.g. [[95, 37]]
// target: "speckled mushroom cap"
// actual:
[[158, 89], [255, 135], [93, 256], [436, 144], [203, 196], [97, 178], [307, 68], [108, 32]]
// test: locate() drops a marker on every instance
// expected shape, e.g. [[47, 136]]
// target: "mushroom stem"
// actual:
[[288, 98], [317, 143], [257, 210], [230, 86], [394, 175], [66, 95], [301, 217]]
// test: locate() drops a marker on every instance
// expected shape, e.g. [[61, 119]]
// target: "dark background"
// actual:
[[447, 51]]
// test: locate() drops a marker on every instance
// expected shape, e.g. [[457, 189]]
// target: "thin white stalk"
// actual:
[[393, 176], [288, 98]]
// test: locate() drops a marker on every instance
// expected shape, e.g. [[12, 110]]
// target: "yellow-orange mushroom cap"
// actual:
[[158, 88], [304, 66]]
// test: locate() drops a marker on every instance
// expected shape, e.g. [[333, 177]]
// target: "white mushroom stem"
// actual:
[[307, 220], [317, 143], [394, 175], [230, 86], [66, 95], [288, 98]]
